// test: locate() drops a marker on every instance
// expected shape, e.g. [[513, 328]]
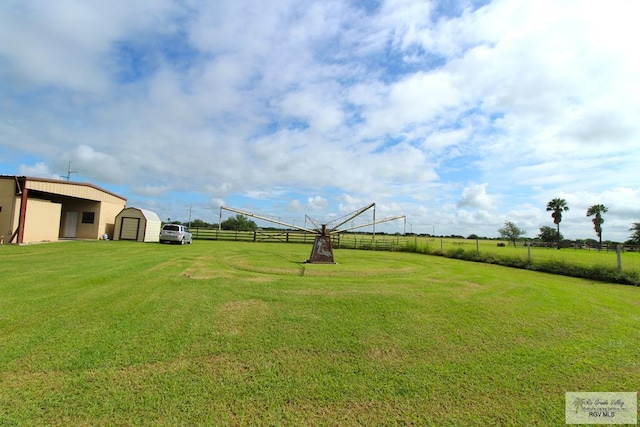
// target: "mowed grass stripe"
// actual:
[[125, 333]]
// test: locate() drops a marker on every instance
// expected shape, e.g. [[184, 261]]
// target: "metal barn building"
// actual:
[[40, 210], [137, 224]]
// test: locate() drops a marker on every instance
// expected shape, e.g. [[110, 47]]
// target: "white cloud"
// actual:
[[100, 165], [266, 103], [475, 196], [216, 203], [350, 204], [39, 169], [63, 43], [317, 202], [295, 206], [321, 114], [150, 190]]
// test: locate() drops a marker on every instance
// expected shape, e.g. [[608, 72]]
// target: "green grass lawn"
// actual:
[[224, 333]]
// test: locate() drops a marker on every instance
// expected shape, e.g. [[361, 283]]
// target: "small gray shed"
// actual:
[[137, 224]]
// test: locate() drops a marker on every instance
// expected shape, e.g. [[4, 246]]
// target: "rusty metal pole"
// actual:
[[23, 211]]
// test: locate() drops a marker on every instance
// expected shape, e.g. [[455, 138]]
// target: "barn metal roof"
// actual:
[[82, 190]]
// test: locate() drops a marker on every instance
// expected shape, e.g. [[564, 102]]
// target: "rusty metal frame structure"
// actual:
[[322, 252]]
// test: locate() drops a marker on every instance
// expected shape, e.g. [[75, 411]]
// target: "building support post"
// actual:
[[23, 211]]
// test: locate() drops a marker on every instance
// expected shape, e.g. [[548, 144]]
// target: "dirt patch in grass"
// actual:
[[44, 381], [214, 365], [202, 269], [205, 275], [293, 271], [261, 279], [365, 412], [243, 307], [236, 316], [162, 265], [466, 289], [386, 355], [351, 271], [339, 292]]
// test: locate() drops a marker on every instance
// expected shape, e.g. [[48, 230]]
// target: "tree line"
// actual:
[[557, 206], [236, 223]]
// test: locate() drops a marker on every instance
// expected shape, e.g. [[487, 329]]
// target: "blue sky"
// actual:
[[460, 115]]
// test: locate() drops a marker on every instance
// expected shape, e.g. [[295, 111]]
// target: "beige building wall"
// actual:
[[58, 209], [42, 221], [108, 217], [79, 210], [87, 198], [7, 207]]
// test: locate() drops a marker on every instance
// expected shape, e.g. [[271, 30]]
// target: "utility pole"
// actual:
[[69, 172]]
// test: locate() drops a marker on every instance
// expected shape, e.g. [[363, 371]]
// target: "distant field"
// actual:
[[585, 257], [237, 333], [630, 260]]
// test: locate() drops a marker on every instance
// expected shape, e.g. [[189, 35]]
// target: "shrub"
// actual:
[[416, 248], [456, 253]]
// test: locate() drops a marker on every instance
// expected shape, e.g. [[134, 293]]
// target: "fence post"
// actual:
[[529, 252], [619, 255], [441, 245]]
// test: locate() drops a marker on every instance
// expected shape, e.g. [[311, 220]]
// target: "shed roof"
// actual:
[[149, 215]]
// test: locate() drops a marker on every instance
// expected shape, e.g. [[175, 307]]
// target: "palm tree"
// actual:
[[597, 211], [635, 237], [558, 206]]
